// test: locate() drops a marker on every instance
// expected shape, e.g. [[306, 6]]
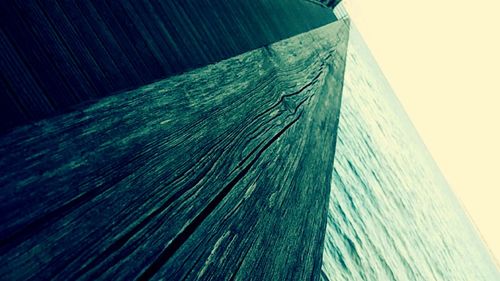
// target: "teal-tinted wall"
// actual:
[[56, 54]]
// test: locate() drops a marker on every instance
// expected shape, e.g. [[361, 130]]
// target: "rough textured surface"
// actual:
[[326, 3], [222, 171], [55, 54]]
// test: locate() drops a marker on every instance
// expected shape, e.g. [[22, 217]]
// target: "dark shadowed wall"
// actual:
[[56, 54]]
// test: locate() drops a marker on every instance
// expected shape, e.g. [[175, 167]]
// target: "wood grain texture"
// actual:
[[68, 52], [220, 173]]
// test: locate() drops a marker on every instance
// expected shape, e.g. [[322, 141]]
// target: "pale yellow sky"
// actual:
[[442, 58]]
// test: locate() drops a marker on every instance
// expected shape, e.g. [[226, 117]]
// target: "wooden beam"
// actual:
[[222, 172], [69, 52]]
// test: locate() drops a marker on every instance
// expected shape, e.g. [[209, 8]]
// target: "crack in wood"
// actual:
[[145, 183]]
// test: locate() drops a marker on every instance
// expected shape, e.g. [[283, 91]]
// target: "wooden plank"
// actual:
[[96, 47], [128, 46], [247, 33], [27, 97], [152, 27], [11, 110], [132, 31], [205, 12], [78, 51], [91, 71], [106, 36], [151, 41], [194, 21], [222, 171], [33, 56], [188, 47], [72, 87]]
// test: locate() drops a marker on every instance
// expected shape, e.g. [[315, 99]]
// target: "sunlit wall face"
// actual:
[[442, 59]]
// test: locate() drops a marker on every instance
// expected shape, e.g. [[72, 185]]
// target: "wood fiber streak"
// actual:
[[70, 52], [221, 172]]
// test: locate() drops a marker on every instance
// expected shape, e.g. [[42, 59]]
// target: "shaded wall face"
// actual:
[[55, 54]]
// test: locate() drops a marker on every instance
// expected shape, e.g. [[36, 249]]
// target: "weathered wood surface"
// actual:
[[220, 173], [55, 54]]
